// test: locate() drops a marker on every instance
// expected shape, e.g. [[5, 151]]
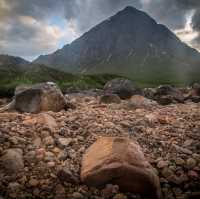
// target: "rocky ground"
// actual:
[[50, 147]]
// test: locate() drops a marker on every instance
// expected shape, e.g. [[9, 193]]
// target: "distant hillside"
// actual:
[[16, 71], [11, 60], [131, 44]]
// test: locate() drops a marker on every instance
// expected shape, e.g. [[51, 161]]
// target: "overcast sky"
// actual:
[[29, 28]]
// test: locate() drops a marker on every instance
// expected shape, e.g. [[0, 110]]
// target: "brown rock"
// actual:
[[42, 119], [110, 98], [119, 161], [40, 97], [65, 175], [12, 160]]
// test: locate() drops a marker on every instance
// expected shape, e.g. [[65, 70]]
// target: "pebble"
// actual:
[[48, 140], [64, 142], [188, 143], [77, 195], [33, 182], [166, 172], [193, 174], [65, 175], [162, 164], [182, 150], [51, 164], [191, 163], [120, 196], [180, 161]]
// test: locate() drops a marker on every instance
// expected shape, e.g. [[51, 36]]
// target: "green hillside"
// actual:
[[10, 77]]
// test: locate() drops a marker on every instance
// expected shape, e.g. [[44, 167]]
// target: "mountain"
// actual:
[[11, 60], [10, 64], [130, 43]]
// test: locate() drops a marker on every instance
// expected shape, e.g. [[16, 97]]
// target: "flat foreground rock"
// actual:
[[120, 161]]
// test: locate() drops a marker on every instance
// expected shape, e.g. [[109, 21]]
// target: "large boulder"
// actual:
[[167, 94], [124, 88], [121, 162], [40, 97], [149, 92]]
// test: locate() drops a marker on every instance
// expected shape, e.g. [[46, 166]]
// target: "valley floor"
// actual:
[[169, 136]]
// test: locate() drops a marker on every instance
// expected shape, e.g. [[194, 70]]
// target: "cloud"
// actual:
[[31, 28], [176, 14], [87, 13], [26, 28], [27, 37]]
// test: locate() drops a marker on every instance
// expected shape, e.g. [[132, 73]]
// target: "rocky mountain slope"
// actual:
[[132, 44]]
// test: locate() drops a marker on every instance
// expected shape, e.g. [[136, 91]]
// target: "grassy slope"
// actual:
[[12, 78]]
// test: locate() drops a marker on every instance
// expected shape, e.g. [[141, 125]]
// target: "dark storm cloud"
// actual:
[[38, 9], [174, 14], [167, 12], [90, 12], [26, 21]]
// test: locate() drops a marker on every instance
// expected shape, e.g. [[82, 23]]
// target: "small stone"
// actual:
[[178, 179], [64, 142], [60, 192], [110, 190], [182, 150], [48, 140], [40, 153], [33, 182], [49, 156], [37, 142], [65, 175], [13, 186], [191, 163], [13, 140], [44, 134], [180, 161], [120, 196], [161, 164], [51, 164], [193, 174], [166, 172], [77, 195], [14, 189], [196, 157], [188, 143]]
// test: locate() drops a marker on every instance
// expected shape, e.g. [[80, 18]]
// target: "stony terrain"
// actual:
[[50, 147]]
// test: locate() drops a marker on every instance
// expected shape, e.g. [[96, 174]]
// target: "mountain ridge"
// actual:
[[132, 44]]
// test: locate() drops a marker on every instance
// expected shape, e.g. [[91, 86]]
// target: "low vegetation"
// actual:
[[66, 81]]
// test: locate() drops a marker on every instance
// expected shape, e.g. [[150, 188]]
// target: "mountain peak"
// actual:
[[129, 9], [130, 43]]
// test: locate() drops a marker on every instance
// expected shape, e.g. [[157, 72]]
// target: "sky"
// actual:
[[29, 28]]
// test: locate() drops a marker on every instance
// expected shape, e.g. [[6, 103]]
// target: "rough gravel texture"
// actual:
[[168, 135]]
